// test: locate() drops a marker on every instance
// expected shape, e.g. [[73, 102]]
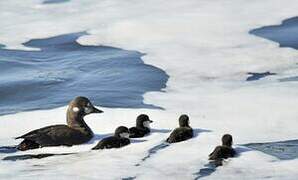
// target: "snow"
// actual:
[[205, 48]]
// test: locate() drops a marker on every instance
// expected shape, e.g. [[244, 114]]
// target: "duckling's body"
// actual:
[[222, 152], [138, 132], [225, 150], [75, 132], [119, 139], [182, 133]]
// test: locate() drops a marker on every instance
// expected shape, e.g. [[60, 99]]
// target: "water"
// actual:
[[54, 1], [287, 79], [258, 76], [157, 148], [283, 150], [206, 50], [153, 151], [285, 34], [208, 169], [63, 69]]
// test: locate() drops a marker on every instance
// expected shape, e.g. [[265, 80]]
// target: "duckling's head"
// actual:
[[227, 140], [184, 120], [122, 132], [143, 121]]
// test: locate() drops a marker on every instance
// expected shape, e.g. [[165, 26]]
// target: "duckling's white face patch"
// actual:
[[146, 124], [124, 135], [75, 109]]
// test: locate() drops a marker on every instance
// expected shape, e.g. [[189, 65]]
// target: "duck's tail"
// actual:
[[27, 144]]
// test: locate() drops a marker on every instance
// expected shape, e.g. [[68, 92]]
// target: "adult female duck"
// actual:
[[75, 132]]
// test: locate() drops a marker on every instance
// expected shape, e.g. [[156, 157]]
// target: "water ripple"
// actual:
[[63, 69]]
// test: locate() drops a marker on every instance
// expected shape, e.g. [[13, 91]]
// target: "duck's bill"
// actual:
[[150, 121], [95, 110]]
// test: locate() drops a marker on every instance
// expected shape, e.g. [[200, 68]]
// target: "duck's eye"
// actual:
[[75, 109]]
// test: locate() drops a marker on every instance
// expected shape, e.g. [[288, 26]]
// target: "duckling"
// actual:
[[183, 132], [120, 139], [142, 127], [225, 150]]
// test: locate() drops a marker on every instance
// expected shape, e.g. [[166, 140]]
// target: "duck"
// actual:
[[74, 133], [183, 132], [118, 140], [142, 127]]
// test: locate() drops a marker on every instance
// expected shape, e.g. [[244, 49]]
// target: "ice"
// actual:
[[205, 48]]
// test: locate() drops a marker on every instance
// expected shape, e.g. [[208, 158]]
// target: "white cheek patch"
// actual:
[[75, 109], [87, 110], [146, 124], [124, 135]]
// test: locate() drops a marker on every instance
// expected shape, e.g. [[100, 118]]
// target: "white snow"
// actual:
[[205, 48]]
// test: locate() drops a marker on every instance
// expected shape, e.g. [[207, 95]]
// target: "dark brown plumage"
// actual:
[[119, 139], [225, 150], [183, 132], [75, 132], [142, 127]]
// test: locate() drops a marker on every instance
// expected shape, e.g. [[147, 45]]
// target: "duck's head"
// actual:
[[227, 140], [122, 132], [82, 106], [184, 120], [143, 121]]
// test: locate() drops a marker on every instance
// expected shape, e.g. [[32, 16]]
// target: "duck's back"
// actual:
[[180, 134], [135, 132], [112, 142], [56, 135], [222, 152]]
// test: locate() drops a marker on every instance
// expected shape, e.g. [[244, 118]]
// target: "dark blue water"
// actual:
[[63, 69], [286, 34], [153, 151], [54, 1], [283, 150], [258, 76], [129, 178], [208, 169], [288, 79]]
